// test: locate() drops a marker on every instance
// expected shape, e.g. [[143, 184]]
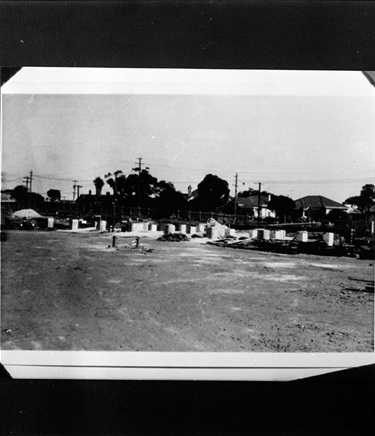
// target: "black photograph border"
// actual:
[[297, 35]]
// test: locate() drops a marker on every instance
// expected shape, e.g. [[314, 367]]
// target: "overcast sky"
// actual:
[[299, 133]]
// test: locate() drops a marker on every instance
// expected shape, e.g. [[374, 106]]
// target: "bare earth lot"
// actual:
[[63, 291]]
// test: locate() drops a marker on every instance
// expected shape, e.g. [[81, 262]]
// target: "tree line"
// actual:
[[141, 189]]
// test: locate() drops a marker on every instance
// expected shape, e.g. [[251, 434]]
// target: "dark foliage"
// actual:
[[365, 200], [213, 192], [283, 207], [25, 198], [54, 195]]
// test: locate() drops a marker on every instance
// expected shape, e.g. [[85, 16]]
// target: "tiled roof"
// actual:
[[317, 201], [251, 201], [6, 198], [194, 194]]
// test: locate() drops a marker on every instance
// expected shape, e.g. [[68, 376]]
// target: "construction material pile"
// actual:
[[362, 285], [233, 242], [174, 237], [135, 245], [215, 230], [26, 213]]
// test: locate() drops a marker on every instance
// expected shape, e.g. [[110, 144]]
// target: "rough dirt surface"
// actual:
[[63, 291]]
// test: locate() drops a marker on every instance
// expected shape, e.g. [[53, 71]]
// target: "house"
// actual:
[[191, 195], [6, 198], [249, 205], [356, 216], [316, 207], [7, 205]]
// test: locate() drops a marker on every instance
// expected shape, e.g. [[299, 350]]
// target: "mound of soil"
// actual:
[[174, 237]]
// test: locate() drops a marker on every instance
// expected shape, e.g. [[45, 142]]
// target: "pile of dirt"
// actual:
[[364, 286], [26, 213], [174, 237], [233, 242], [213, 223]]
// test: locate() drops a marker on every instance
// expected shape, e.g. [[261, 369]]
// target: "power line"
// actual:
[[270, 181], [313, 182], [12, 180], [301, 181], [59, 179]]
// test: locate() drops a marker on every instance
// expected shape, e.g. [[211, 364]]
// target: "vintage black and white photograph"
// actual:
[[161, 210]]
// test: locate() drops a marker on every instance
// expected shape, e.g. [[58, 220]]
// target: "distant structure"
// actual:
[[316, 207], [250, 205], [191, 194]]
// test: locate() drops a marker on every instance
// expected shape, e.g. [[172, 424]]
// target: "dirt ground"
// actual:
[[64, 291]]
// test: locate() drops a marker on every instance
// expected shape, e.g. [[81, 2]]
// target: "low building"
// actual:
[[316, 207], [250, 206], [8, 204]]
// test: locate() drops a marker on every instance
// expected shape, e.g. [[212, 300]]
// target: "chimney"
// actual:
[[89, 191], [269, 198], [189, 191]]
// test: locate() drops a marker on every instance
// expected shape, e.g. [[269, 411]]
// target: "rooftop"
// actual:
[[317, 201]]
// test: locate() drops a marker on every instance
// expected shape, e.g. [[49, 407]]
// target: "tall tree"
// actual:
[[30, 199], [98, 183], [140, 188], [213, 192], [168, 199], [365, 200], [54, 194], [112, 180], [283, 206], [20, 193]]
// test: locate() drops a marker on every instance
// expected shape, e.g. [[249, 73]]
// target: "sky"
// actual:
[[297, 132]]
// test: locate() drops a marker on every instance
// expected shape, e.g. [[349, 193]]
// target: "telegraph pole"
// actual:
[[235, 194], [259, 203], [139, 165], [74, 188], [139, 169], [26, 179], [259, 199], [114, 204], [31, 180], [78, 186]]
